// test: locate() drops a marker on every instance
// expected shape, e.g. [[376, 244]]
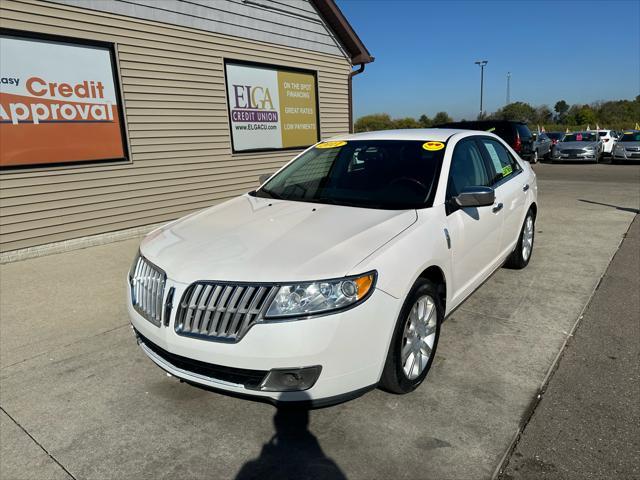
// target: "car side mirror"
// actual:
[[264, 177], [475, 197]]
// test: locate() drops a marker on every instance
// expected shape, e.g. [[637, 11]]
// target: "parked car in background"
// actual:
[[608, 139], [541, 146], [627, 147], [516, 134], [555, 138], [583, 146], [335, 275]]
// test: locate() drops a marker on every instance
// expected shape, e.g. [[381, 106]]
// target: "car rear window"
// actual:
[[523, 130]]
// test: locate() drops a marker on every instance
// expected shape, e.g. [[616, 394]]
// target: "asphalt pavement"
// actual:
[[587, 422], [80, 400]]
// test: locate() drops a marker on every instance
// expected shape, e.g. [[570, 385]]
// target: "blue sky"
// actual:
[[579, 51]]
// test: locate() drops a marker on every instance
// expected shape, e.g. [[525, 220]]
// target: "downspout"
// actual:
[[352, 74]]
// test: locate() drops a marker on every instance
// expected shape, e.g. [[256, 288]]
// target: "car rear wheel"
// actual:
[[415, 338], [520, 257]]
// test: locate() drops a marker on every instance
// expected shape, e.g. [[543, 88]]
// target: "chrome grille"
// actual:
[[147, 289], [573, 151], [221, 311]]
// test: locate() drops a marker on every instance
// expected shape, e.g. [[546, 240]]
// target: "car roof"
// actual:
[[426, 134]]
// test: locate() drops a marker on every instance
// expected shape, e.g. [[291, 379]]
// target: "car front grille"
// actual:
[[238, 376], [573, 151], [147, 289], [221, 311]]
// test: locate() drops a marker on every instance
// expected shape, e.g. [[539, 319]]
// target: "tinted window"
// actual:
[[385, 174], [523, 130], [467, 168], [579, 137], [503, 163], [555, 135], [630, 137]]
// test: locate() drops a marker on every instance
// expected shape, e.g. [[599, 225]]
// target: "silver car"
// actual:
[[541, 146], [581, 146], [627, 147]]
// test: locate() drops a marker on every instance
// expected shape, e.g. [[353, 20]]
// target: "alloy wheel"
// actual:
[[419, 337], [527, 238]]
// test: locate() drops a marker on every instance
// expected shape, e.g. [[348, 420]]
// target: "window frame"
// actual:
[[470, 139]]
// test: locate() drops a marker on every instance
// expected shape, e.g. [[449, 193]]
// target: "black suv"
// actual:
[[516, 134]]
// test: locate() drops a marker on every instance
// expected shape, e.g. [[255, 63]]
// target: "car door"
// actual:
[[474, 232], [510, 186]]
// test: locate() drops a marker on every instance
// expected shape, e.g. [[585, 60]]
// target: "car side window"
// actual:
[[468, 169], [504, 165]]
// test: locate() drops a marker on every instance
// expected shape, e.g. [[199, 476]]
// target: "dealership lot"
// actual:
[[80, 400]]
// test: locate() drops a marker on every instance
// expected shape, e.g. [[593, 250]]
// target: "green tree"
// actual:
[[543, 114], [586, 116], [407, 122], [425, 121], [518, 111], [561, 108], [441, 117], [376, 121]]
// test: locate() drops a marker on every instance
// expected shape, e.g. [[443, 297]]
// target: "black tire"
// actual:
[[393, 377], [517, 260]]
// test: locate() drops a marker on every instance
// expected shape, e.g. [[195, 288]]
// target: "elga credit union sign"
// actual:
[[58, 103], [271, 108]]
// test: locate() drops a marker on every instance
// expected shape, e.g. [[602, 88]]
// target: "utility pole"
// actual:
[[508, 88], [481, 64]]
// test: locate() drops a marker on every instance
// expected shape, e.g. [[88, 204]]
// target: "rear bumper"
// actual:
[[350, 346]]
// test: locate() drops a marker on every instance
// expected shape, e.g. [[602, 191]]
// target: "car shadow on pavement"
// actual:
[[293, 452], [624, 209]]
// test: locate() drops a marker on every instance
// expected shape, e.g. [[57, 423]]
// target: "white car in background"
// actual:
[[335, 275], [608, 139]]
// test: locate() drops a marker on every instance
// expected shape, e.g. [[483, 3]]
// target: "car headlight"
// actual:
[[310, 298], [619, 147]]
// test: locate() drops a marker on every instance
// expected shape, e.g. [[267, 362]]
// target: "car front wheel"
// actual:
[[415, 338], [520, 257]]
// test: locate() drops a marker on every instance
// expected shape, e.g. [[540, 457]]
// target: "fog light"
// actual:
[[291, 379]]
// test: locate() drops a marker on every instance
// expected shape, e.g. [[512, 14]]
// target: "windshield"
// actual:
[[555, 136], [384, 174], [630, 137], [579, 137]]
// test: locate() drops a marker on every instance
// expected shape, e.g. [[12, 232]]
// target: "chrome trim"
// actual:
[[220, 311], [147, 282]]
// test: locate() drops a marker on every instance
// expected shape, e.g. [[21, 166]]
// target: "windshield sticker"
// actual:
[[433, 146], [506, 170], [579, 137], [629, 133], [492, 129], [495, 159], [336, 144]]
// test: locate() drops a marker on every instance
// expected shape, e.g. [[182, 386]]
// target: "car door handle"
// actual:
[[497, 208], [525, 188]]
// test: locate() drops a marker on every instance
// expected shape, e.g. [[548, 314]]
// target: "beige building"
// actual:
[[118, 115]]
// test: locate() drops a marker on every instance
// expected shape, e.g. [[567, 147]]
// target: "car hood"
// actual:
[[256, 239], [629, 144], [577, 145]]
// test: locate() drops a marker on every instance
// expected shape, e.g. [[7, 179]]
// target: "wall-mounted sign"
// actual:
[[271, 108], [58, 103]]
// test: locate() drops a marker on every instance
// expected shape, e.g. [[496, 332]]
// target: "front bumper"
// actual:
[[350, 346], [626, 156], [574, 158]]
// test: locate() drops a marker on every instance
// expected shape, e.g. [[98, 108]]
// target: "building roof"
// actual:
[[344, 31]]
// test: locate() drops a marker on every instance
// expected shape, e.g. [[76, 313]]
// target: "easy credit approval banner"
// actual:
[[271, 108], [58, 103]]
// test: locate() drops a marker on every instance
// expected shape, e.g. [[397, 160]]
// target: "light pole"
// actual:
[[481, 64], [508, 88]]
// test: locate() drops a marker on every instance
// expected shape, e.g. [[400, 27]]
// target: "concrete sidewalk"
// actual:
[[81, 401], [586, 425]]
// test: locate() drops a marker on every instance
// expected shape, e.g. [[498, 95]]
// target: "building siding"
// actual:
[[172, 81], [293, 24]]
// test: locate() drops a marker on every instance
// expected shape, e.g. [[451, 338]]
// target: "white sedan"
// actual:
[[335, 275]]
